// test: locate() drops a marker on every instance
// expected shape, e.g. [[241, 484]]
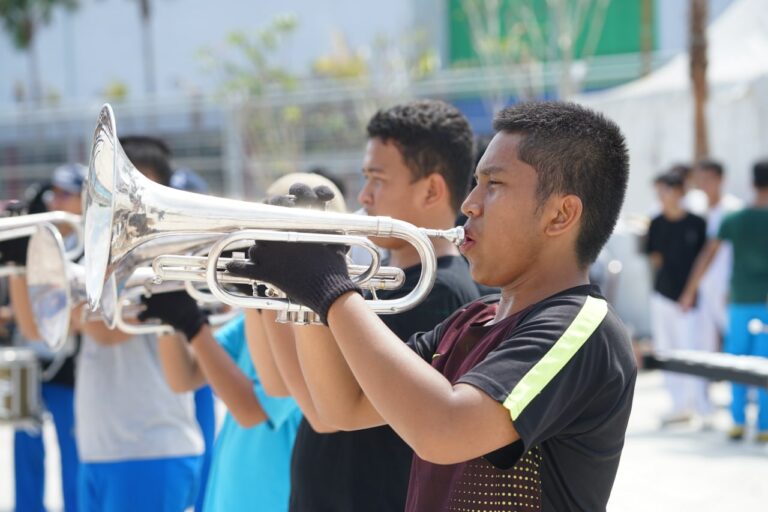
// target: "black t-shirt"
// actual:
[[368, 469], [679, 243], [565, 371]]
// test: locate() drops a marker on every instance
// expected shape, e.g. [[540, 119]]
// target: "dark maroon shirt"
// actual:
[[572, 431]]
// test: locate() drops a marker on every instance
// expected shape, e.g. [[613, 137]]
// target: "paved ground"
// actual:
[[680, 469]]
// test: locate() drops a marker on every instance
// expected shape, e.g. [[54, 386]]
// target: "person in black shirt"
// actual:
[[417, 168], [675, 238], [518, 402]]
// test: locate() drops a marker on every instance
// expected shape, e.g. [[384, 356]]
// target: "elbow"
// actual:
[[274, 389], [322, 428], [334, 419], [179, 386], [319, 426], [437, 444], [343, 423], [248, 418], [432, 449]]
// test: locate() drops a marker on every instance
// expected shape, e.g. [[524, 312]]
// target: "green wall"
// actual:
[[621, 29]]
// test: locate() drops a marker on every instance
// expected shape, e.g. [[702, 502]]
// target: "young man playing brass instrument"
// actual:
[[517, 402], [416, 168]]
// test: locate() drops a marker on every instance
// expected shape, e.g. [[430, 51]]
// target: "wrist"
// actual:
[[338, 308], [328, 291], [192, 328]]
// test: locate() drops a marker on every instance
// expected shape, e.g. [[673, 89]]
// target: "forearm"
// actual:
[[233, 387], [102, 334], [282, 345], [334, 391], [22, 308], [179, 365], [261, 354], [441, 422], [700, 266]]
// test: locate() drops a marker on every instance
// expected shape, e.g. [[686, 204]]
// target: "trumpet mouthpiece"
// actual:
[[453, 235]]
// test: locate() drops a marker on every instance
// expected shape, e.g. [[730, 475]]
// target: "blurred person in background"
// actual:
[[205, 412], [252, 454], [675, 238], [62, 193], [713, 291], [138, 441], [746, 231]]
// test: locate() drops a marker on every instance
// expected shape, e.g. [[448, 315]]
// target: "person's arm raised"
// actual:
[[443, 423], [97, 330], [261, 355], [229, 383], [219, 369], [182, 373], [334, 391], [281, 343]]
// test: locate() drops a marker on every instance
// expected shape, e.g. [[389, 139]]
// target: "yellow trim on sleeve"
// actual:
[[589, 318]]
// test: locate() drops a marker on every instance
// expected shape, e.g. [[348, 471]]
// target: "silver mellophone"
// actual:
[[141, 238]]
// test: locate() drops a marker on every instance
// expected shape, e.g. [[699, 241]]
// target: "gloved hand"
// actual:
[[15, 249], [176, 309], [313, 275]]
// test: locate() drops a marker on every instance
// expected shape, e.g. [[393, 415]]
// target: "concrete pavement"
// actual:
[[672, 469]]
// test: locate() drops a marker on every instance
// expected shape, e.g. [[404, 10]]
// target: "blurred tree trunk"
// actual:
[[22, 20], [646, 36], [698, 52]]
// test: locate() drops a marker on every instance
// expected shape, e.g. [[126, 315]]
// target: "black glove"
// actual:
[[313, 275], [176, 309], [14, 251]]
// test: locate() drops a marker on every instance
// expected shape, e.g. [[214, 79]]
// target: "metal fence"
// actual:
[[241, 146]]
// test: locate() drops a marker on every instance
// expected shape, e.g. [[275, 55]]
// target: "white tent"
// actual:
[[656, 112], [656, 116]]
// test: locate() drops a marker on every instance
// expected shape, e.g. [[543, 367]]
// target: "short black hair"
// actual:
[[760, 174], [574, 151], [682, 170], [671, 179], [146, 151], [432, 136], [712, 166]]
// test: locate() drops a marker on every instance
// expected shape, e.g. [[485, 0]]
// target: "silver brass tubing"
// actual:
[[397, 228], [25, 225]]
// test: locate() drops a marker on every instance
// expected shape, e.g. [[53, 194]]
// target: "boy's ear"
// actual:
[[566, 214], [436, 189]]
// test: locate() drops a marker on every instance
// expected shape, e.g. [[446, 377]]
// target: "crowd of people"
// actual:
[[517, 400], [709, 253]]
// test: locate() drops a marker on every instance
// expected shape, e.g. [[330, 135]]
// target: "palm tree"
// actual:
[[698, 53], [22, 19]]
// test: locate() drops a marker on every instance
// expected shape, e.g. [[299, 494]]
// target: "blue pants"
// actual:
[[740, 341], [206, 418], [29, 454], [159, 485]]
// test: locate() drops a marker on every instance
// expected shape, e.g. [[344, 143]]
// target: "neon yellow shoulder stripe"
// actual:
[[533, 382]]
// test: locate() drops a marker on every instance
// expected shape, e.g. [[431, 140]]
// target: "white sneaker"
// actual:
[[675, 418]]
